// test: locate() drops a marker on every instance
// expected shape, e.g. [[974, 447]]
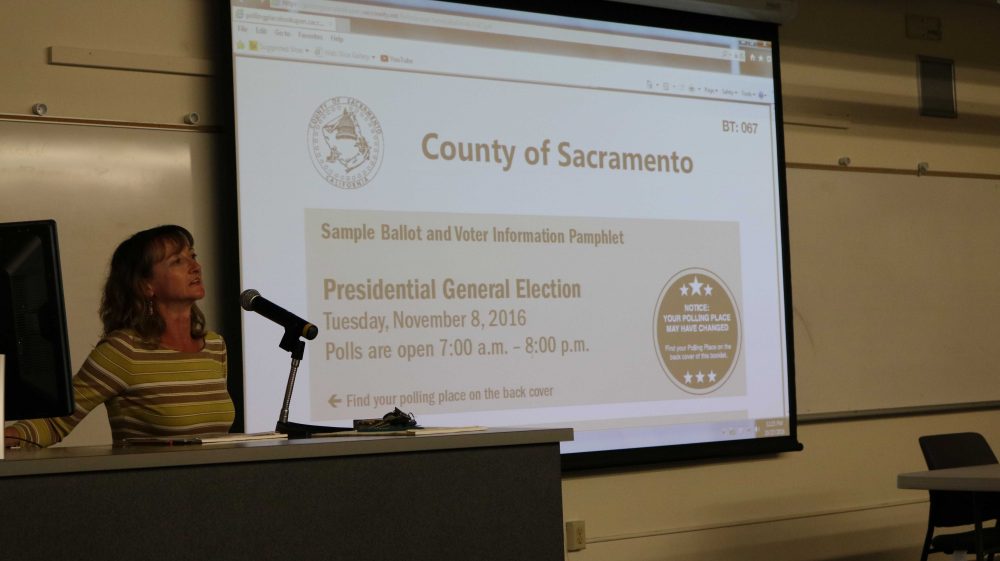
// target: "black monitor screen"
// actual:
[[33, 336]]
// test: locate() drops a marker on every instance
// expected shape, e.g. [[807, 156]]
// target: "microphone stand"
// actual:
[[293, 344]]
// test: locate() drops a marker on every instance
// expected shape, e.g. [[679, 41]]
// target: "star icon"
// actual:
[[684, 290], [700, 377], [687, 378], [711, 376], [696, 286], [708, 289]]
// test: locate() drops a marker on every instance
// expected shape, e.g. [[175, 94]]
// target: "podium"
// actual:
[[491, 495]]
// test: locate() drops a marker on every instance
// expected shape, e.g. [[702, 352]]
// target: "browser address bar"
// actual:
[[396, 15], [267, 17]]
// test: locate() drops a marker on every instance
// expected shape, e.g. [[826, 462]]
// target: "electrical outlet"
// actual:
[[576, 535]]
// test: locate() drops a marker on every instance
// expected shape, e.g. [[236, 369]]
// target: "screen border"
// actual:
[[642, 15]]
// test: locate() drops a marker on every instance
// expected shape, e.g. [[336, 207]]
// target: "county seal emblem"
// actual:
[[345, 142]]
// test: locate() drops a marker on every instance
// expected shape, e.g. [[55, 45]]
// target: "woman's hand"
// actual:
[[10, 437]]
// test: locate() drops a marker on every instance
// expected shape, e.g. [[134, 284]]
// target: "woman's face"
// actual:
[[176, 278]]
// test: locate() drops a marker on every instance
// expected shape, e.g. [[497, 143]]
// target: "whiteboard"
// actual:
[[895, 290]]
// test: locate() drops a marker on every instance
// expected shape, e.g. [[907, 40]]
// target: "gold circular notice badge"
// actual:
[[697, 331]]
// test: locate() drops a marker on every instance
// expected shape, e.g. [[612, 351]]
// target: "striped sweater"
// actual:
[[148, 391]]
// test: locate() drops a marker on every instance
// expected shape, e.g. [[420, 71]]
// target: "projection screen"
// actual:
[[570, 216]]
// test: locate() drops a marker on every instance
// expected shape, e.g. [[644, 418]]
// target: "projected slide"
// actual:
[[508, 220]]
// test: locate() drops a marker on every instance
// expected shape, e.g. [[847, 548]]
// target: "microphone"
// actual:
[[252, 301]]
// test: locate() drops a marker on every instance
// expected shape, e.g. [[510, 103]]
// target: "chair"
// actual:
[[949, 509]]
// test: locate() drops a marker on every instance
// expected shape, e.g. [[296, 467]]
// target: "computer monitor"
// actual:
[[33, 336]]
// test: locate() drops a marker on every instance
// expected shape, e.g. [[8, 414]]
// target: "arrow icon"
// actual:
[[334, 401]]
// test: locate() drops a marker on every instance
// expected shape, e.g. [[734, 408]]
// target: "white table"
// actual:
[[977, 479], [971, 478]]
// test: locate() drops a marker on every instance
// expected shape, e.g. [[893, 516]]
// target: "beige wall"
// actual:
[[154, 35], [849, 76], [849, 82]]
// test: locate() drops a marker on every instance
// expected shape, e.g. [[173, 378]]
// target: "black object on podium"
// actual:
[[291, 341]]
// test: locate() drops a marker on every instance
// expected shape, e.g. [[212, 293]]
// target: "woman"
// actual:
[[156, 368]]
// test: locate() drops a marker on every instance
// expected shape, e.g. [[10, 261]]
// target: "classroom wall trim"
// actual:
[[893, 171], [107, 123]]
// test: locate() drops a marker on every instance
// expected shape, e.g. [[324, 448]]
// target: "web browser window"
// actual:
[[507, 218]]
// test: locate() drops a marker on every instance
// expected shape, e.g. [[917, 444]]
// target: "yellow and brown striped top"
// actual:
[[148, 391]]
